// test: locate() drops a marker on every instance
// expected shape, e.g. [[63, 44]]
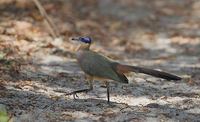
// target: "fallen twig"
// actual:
[[51, 26]]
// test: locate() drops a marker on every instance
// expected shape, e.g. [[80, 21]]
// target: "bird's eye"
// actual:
[[85, 39]]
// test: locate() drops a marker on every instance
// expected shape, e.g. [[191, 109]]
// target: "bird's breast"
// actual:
[[80, 56], [84, 61]]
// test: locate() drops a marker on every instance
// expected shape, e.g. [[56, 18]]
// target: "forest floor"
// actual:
[[36, 70]]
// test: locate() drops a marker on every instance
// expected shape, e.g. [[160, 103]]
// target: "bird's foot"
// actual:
[[74, 93]]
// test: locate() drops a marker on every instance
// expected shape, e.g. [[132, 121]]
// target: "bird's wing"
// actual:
[[97, 65]]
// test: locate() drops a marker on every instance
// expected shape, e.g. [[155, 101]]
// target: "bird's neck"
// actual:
[[83, 47]]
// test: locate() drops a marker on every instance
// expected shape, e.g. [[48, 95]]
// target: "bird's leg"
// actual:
[[108, 93], [74, 93]]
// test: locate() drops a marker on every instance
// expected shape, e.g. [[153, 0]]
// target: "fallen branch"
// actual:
[[51, 26]]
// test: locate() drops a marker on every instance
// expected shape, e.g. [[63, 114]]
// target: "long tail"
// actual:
[[160, 74]]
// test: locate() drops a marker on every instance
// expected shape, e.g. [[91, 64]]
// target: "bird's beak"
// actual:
[[75, 38]]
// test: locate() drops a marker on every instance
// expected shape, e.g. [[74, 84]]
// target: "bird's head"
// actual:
[[85, 42]]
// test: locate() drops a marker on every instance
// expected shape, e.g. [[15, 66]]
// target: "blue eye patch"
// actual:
[[85, 39]]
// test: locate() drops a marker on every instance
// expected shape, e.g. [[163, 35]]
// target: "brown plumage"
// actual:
[[160, 74]]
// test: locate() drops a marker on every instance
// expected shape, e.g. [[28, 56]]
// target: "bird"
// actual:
[[98, 67]]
